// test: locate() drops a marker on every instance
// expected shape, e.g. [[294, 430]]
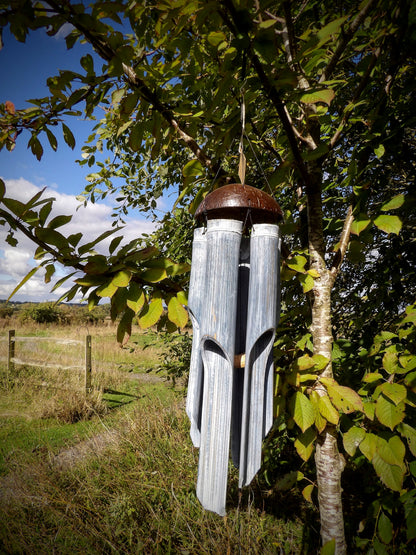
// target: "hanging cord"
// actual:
[[242, 163], [261, 167]]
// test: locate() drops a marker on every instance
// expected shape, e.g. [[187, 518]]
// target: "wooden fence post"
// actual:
[[11, 353], [88, 364]]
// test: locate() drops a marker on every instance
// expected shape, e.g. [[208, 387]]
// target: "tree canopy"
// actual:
[[328, 93]]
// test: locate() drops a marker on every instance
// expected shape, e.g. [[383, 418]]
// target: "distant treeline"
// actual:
[[50, 313]]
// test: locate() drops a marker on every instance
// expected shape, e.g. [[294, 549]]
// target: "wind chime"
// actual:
[[234, 307]]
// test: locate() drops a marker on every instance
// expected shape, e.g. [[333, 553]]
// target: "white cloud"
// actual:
[[91, 221]]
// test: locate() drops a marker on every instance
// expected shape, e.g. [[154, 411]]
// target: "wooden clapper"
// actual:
[[234, 307]]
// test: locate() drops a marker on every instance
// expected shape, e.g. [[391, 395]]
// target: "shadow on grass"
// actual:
[[118, 399]]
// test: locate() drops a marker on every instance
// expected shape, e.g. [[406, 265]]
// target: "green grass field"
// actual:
[[115, 472]]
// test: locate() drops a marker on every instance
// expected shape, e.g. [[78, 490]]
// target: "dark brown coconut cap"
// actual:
[[239, 202]]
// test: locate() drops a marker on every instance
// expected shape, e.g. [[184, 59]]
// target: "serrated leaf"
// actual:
[[409, 433], [343, 398], [369, 409], [391, 451], [176, 313], [390, 362], [304, 443], [302, 410], [368, 446], [389, 224], [391, 475], [388, 413], [394, 391], [352, 439], [327, 409], [304, 363], [151, 313]]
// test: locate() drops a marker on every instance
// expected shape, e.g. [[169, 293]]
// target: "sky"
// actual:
[[24, 68]]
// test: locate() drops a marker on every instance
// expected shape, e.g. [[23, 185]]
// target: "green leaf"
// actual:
[[68, 136], [135, 297], [24, 280], [352, 439], [385, 529], [304, 443], [327, 409], [307, 492], [52, 237], [391, 475], [52, 139], [59, 221], [50, 270], [409, 433], [302, 410], [394, 203], [304, 363], [176, 313], [297, 263], [215, 38], [324, 95], [106, 290], [2, 189], [391, 451], [388, 413], [154, 275], [328, 548], [344, 398], [379, 151], [151, 313], [192, 168], [394, 391], [122, 278], [124, 327], [96, 265], [389, 224], [360, 223], [307, 282], [368, 446], [372, 377]]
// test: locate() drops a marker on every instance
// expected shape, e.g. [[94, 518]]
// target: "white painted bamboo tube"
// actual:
[[218, 327], [196, 299], [262, 318]]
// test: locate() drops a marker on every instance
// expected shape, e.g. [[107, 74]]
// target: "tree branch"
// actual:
[[345, 38], [343, 245]]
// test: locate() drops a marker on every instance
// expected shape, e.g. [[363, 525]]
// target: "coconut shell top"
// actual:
[[239, 202]]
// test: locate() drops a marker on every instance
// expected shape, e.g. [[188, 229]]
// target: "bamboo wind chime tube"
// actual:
[[233, 304]]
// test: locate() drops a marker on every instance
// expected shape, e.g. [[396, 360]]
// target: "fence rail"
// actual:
[[12, 359]]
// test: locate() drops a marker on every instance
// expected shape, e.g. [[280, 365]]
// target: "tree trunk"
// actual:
[[327, 458]]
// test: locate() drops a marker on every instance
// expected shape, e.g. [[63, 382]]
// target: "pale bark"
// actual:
[[327, 457]]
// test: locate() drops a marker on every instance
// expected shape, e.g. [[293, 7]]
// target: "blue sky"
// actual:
[[25, 68]]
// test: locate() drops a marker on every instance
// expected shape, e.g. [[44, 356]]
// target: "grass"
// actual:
[[122, 481]]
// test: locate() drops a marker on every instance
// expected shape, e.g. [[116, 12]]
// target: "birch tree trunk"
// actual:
[[327, 458]]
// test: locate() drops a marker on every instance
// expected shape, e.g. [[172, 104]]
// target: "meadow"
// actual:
[[114, 471]]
